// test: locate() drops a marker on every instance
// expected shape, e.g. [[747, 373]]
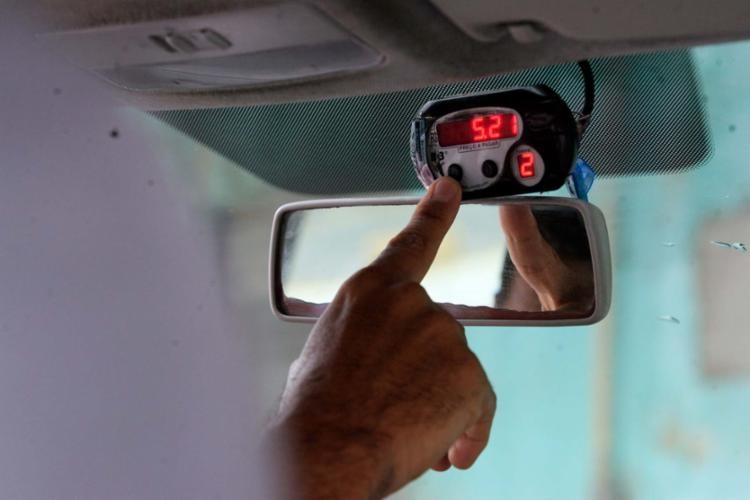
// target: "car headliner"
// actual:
[[424, 45]]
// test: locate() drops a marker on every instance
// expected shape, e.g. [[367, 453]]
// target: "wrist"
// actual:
[[324, 459]]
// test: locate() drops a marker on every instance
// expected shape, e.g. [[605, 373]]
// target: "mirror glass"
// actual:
[[498, 261]]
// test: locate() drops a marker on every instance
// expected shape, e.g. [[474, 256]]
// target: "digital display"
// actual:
[[526, 166], [478, 128]]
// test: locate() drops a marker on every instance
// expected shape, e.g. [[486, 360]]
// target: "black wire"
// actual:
[[588, 104]]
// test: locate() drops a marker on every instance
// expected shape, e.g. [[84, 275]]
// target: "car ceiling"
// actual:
[[422, 42]]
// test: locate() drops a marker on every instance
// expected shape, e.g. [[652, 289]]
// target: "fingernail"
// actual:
[[445, 190]]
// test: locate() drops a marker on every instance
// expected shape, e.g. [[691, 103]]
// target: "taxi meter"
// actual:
[[500, 143]]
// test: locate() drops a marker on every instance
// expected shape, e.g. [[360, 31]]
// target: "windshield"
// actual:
[[651, 403]]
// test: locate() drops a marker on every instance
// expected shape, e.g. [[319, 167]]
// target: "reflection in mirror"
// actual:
[[499, 261]]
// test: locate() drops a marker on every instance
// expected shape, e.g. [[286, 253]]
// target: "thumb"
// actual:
[[410, 253]]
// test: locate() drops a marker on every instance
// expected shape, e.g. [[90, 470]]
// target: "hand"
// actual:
[[559, 284], [386, 386]]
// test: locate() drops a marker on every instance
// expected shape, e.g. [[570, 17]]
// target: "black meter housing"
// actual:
[[515, 141]]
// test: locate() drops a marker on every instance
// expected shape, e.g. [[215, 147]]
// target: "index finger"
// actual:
[[535, 260], [410, 253]]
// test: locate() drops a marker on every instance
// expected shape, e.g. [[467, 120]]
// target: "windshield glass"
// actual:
[[653, 401]]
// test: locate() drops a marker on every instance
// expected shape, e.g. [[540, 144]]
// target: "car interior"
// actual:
[[186, 184]]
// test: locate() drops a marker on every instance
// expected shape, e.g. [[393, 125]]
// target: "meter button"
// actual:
[[456, 172], [489, 168], [527, 165]]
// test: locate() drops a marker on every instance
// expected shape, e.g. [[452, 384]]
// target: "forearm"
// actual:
[[321, 461]]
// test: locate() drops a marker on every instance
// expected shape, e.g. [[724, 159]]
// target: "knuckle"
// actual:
[[410, 290], [491, 399], [469, 368], [441, 320], [362, 282], [367, 277], [408, 301]]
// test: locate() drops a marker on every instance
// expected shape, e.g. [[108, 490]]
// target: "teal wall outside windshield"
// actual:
[[624, 409]]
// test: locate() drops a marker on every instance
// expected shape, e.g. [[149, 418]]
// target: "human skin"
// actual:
[[386, 386], [559, 285]]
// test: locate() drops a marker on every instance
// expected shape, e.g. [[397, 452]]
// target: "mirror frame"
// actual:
[[596, 229]]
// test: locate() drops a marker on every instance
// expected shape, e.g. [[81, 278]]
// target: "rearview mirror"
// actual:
[[506, 261]]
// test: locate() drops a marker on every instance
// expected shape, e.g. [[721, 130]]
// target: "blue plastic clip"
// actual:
[[581, 179]]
